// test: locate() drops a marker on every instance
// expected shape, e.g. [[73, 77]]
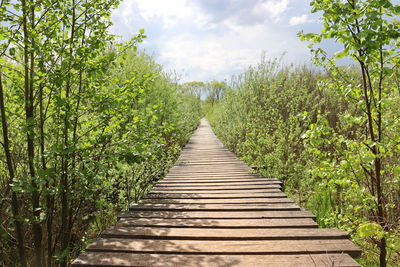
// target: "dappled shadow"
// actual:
[[124, 259]]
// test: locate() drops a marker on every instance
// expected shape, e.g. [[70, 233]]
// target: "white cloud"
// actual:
[[220, 56], [297, 20], [207, 58], [152, 8], [273, 8], [124, 12], [170, 12], [209, 39]]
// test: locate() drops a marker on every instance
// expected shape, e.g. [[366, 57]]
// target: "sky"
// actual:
[[205, 40]]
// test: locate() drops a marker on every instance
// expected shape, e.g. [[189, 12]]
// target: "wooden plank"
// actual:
[[222, 234], [222, 175], [200, 187], [109, 259], [216, 207], [216, 179], [271, 194], [210, 170], [222, 179], [204, 148], [217, 215], [218, 201], [199, 165], [208, 158], [234, 169], [205, 181], [217, 172], [202, 174], [200, 158], [209, 162], [215, 176], [196, 155], [217, 186], [217, 183], [220, 223], [212, 191], [255, 247], [219, 159]]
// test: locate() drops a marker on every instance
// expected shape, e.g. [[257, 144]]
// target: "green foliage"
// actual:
[[361, 160], [332, 138], [302, 127], [194, 87], [262, 118], [371, 230], [90, 125]]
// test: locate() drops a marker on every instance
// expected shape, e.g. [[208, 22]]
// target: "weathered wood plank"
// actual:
[[236, 247], [219, 179], [215, 187], [216, 207], [234, 169], [216, 176], [215, 191], [203, 179], [188, 182], [108, 259], [217, 184], [217, 215], [222, 234], [220, 223], [179, 170], [207, 185], [271, 194], [218, 159], [217, 201]]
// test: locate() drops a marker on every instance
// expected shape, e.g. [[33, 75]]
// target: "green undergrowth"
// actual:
[[292, 124], [88, 125]]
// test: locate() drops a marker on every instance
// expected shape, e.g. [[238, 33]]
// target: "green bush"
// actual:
[[88, 126], [292, 123]]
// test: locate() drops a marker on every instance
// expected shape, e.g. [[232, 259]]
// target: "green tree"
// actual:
[[197, 88], [216, 91], [369, 32], [88, 126]]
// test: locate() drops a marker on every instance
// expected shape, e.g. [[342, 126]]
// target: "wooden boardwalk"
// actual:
[[209, 211]]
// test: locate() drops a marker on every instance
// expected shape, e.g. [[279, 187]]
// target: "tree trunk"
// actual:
[[29, 116], [14, 199]]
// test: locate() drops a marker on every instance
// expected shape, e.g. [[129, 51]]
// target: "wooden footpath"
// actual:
[[209, 211]]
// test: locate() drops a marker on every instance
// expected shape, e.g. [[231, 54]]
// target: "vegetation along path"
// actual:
[[209, 211]]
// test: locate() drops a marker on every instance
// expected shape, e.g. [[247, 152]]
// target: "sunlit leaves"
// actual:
[[103, 118], [369, 33]]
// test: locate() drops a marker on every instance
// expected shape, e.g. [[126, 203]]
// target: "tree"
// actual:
[[195, 87], [216, 91], [88, 126], [369, 32]]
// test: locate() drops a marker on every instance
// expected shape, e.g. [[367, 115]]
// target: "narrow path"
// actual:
[[209, 211]]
